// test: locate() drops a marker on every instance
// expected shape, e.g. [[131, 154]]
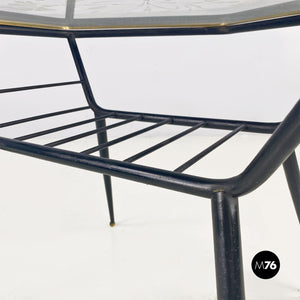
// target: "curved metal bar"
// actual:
[[52, 31], [82, 74], [166, 179], [276, 150]]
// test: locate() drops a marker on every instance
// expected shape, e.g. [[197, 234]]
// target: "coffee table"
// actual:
[[73, 19]]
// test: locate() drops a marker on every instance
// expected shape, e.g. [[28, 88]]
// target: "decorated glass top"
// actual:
[[94, 14]]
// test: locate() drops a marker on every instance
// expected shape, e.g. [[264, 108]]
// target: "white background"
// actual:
[[55, 242], [250, 76]]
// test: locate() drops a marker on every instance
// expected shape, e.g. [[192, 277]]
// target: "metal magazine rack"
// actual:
[[74, 20]]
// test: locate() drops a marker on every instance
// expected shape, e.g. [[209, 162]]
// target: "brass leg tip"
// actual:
[[112, 224]]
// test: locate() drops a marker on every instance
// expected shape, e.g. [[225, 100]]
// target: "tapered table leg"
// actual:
[[102, 138], [228, 249], [292, 174]]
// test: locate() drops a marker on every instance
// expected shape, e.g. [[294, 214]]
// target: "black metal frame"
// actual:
[[224, 193]]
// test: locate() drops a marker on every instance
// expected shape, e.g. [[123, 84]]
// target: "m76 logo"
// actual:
[[267, 264]]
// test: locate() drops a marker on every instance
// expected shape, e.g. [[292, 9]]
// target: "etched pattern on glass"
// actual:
[[143, 8], [47, 8], [133, 8]]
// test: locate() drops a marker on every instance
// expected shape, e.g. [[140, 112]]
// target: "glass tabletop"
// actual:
[[110, 14]]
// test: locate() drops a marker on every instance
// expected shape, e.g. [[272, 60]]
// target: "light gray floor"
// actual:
[[55, 242]]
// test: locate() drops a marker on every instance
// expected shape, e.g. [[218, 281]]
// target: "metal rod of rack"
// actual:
[[125, 137], [203, 153], [60, 128], [225, 124], [40, 86], [56, 113], [88, 133], [163, 143], [158, 177]]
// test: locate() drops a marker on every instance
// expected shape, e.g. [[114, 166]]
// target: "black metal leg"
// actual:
[[102, 138], [228, 249], [292, 174]]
